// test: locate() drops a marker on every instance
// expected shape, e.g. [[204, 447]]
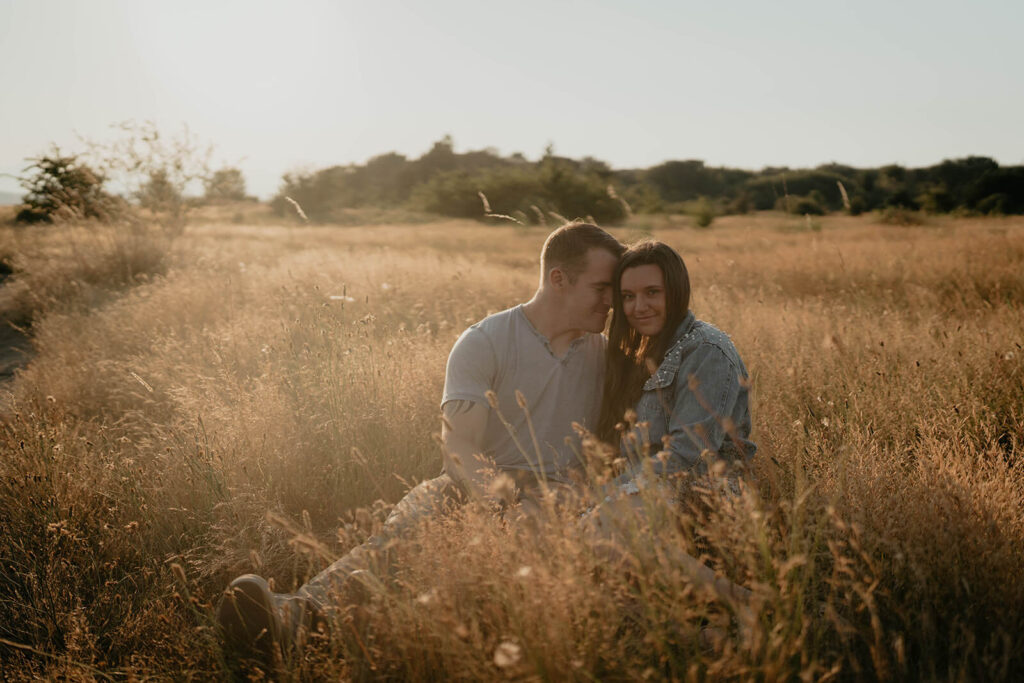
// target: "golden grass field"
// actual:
[[253, 397]]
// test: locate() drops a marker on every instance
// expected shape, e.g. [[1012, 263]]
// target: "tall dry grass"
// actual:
[[297, 371], [74, 267]]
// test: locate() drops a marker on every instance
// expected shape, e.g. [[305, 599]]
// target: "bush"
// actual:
[[898, 215], [936, 199], [807, 206], [453, 193], [319, 193], [678, 181], [553, 188], [768, 189], [703, 213], [226, 184], [994, 204], [799, 205], [159, 193], [1007, 182], [857, 205], [643, 198], [740, 204], [576, 194], [61, 187], [445, 183]]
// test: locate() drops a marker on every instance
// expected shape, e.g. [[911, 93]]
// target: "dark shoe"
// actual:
[[258, 622]]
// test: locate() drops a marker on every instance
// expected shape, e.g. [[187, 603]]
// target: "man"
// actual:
[[515, 382]]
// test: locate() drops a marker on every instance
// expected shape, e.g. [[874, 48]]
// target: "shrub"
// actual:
[[555, 187], [768, 189], [318, 192], [703, 213], [994, 204], [1008, 182], [807, 206], [62, 187], [741, 204], [453, 193], [678, 181], [898, 215], [857, 205], [576, 194], [159, 193], [799, 206], [226, 184]]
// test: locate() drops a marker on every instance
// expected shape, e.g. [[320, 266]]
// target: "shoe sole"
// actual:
[[246, 616]]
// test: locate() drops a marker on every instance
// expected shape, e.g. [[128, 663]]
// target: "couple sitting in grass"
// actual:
[[515, 385]]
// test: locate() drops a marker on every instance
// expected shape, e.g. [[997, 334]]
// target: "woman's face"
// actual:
[[643, 298]]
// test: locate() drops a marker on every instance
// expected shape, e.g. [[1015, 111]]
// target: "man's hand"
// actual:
[[462, 435]]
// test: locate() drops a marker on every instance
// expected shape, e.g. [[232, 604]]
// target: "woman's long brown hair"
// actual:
[[630, 353]]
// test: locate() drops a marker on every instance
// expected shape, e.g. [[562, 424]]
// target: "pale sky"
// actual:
[[278, 86]]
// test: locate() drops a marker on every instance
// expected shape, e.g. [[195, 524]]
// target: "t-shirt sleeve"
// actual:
[[471, 368]]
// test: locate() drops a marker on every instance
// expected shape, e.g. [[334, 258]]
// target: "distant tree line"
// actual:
[[476, 183], [156, 169]]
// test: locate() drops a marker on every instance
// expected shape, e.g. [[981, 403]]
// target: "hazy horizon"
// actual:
[[312, 84]]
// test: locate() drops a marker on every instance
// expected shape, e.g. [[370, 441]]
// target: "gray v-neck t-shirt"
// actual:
[[504, 353]]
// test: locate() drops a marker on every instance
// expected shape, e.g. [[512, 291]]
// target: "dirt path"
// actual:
[[15, 345], [15, 352]]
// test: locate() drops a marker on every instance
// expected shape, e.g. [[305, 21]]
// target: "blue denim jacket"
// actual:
[[700, 386]]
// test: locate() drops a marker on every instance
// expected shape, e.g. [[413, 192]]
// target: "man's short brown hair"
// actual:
[[567, 248]]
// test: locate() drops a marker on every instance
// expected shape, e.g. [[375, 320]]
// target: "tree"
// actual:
[[155, 169], [59, 186], [441, 156], [159, 193], [678, 181], [226, 184]]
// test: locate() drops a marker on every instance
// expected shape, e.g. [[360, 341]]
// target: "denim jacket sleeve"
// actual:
[[706, 390], [686, 404]]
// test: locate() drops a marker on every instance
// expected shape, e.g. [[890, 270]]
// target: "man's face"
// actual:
[[588, 300]]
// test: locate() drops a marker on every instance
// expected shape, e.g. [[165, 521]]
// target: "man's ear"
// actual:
[[557, 278]]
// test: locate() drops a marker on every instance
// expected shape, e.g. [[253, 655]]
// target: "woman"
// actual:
[[682, 377], [687, 386]]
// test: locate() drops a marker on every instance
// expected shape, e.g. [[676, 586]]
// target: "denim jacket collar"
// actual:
[[666, 372]]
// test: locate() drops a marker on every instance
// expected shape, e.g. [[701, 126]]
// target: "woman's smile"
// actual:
[[643, 298]]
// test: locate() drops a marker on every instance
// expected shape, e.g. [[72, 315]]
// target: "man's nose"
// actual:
[[606, 298]]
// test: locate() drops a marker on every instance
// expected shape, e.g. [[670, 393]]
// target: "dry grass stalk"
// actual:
[[298, 209]]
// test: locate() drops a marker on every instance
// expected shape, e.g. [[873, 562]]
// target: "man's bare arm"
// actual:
[[462, 435]]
